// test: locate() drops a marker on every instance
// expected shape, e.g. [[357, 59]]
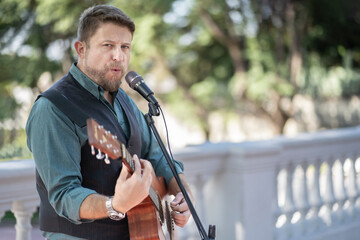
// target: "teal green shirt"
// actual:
[[56, 142]]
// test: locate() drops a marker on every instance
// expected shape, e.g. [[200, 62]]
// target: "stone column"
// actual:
[[23, 216]]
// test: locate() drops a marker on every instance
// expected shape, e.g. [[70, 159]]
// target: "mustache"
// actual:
[[116, 65]]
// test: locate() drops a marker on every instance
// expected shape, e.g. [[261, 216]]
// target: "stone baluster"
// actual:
[[23, 216], [329, 196], [289, 206], [357, 169], [277, 210], [315, 200], [353, 191], [341, 191], [303, 203]]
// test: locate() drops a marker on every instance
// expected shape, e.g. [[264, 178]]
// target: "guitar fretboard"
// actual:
[[155, 199]]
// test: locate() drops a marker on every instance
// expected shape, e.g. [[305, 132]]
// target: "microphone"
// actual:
[[137, 83]]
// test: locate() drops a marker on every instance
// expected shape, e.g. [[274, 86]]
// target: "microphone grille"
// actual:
[[132, 78]]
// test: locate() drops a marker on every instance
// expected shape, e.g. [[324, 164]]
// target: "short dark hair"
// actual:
[[92, 17]]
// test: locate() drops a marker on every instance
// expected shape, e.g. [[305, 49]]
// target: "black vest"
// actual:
[[96, 174]]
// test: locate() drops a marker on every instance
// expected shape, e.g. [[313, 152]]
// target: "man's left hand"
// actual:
[[181, 212]]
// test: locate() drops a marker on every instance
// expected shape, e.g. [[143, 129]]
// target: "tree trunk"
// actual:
[[295, 54], [234, 47]]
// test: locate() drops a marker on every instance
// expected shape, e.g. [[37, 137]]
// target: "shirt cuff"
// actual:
[[73, 203]]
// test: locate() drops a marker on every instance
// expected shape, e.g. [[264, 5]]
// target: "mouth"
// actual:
[[115, 70]]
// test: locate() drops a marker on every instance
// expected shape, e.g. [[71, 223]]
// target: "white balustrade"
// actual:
[[306, 187], [18, 194], [285, 188]]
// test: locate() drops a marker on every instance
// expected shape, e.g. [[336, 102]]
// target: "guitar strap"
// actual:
[[68, 108]]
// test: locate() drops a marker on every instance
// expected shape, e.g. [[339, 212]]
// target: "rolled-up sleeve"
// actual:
[[56, 146]]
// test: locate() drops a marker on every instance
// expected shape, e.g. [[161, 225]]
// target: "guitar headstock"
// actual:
[[107, 143], [103, 140]]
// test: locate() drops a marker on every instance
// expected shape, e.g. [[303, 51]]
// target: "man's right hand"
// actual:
[[132, 189]]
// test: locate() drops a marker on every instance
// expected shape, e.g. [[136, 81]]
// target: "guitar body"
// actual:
[[145, 221]]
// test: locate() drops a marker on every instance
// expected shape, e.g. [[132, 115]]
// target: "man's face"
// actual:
[[106, 56]]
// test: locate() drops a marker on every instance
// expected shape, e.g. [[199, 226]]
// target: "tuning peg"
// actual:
[[106, 160], [92, 150], [99, 155]]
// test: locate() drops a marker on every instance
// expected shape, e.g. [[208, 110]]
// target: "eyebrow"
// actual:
[[111, 41]]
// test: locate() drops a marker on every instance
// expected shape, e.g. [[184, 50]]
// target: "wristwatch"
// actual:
[[112, 213]]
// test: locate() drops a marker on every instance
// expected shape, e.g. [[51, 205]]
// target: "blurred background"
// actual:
[[223, 70]]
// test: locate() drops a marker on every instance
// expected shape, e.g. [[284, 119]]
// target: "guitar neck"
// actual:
[[129, 162]]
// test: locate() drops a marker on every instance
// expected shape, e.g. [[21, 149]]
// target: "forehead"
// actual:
[[112, 32]]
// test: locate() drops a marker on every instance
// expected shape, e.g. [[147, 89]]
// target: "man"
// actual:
[[78, 193]]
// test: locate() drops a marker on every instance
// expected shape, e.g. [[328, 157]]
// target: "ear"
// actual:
[[80, 48]]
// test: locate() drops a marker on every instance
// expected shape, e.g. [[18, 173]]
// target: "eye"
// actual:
[[125, 46], [107, 45]]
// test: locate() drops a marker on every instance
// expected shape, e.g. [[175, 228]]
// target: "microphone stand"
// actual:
[[154, 111]]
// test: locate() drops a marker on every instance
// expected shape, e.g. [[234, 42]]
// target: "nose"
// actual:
[[118, 54]]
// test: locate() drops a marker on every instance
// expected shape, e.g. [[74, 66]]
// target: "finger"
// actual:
[[146, 166], [143, 162], [180, 219], [178, 199], [146, 171], [137, 165], [124, 174], [182, 207]]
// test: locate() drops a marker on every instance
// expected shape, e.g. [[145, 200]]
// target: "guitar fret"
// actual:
[[123, 153], [132, 164]]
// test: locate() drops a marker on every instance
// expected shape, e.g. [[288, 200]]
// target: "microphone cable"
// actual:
[[167, 133]]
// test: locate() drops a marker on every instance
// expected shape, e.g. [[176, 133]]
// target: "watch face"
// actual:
[[115, 216]]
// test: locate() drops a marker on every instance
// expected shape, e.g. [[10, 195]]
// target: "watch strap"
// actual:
[[112, 213]]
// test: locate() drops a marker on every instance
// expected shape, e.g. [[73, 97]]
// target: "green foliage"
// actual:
[[335, 23], [264, 74], [188, 40], [7, 103], [14, 151], [336, 81], [10, 218], [13, 144]]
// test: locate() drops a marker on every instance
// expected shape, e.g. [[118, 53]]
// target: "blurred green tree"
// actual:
[[242, 56]]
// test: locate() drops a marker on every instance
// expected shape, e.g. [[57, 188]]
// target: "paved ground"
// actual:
[[7, 232]]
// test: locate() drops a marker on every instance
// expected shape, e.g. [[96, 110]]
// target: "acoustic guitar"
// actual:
[[151, 219]]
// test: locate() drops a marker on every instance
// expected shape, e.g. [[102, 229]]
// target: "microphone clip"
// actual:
[[154, 109]]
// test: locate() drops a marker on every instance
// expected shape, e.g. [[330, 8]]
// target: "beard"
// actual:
[[99, 76]]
